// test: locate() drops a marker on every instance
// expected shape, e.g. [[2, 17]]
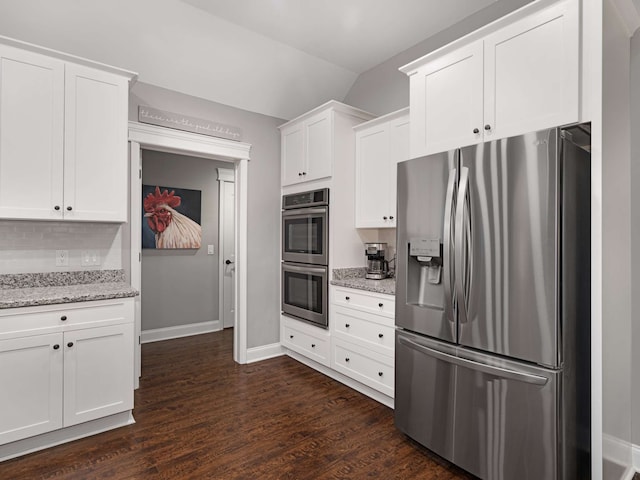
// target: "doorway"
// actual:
[[226, 244], [149, 137]]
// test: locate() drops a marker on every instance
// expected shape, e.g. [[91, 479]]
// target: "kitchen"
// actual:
[[264, 211]]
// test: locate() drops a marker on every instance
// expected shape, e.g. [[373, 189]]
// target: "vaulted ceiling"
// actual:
[[275, 57]]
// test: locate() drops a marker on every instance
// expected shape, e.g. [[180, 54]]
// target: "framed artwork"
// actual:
[[171, 217]]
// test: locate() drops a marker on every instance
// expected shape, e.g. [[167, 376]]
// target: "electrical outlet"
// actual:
[[89, 258], [62, 258]]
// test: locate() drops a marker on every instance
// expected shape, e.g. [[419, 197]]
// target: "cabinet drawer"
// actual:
[[355, 326], [377, 303], [302, 339], [50, 318], [375, 371]]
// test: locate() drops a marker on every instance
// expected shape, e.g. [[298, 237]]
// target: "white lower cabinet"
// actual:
[[363, 336], [312, 342], [64, 365]]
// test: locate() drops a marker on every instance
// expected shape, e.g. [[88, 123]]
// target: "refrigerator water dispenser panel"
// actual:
[[425, 272]]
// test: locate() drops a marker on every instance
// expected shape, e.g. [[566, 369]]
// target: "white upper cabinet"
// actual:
[[63, 139], [309, 142], [517, 75], [380, 145]]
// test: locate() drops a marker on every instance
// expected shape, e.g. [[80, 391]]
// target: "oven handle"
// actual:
[[304, 211], [295, 268]]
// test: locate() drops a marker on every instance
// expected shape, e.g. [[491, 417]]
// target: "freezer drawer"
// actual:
[[506, 419], [424, 393], [495, 418]]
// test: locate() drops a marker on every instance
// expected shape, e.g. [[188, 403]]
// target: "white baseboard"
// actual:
[[167, 333], [64, 435], [264, 352]]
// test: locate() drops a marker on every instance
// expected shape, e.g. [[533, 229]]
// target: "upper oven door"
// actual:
[[305, 235]]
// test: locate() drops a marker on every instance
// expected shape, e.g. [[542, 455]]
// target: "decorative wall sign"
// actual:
[[161, 118], [172, 217]]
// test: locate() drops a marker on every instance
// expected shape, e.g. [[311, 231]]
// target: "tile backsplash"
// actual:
[[30, 247]]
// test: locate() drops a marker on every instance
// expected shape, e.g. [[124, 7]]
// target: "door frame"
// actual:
[[225, 175], [151, 137]]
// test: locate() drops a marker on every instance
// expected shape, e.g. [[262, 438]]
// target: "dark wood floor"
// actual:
[[201, 416]]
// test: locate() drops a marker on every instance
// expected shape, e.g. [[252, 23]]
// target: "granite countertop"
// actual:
[[32, 289], [355, 278]]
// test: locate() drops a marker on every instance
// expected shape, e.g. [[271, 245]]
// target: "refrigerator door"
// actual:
[[506, 247], [427, 188], [424, 392], [506, 419]]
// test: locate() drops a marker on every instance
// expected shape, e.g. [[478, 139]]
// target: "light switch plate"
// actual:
[[210, 250]]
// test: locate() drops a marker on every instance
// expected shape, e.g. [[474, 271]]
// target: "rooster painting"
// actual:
[[171, 228]]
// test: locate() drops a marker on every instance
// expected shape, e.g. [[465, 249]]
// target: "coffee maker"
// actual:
[[377, 266]]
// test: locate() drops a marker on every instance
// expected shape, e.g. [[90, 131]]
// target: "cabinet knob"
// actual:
[[69, 208], [346, 359], [313, 345], [304, 173], [487, 127], [56, 346], [290, 336], [347, 325], [391, 217], [57, 207], [380, 335], [347, 298], [70, 344], [379, 374], [384, 218], [299, 174], [63, 318], [475, 130], [381, 305]]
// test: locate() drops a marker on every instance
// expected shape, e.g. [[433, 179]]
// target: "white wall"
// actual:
[[616, 244]]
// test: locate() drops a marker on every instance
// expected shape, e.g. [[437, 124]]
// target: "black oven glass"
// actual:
[[304, 291], [304, 235]]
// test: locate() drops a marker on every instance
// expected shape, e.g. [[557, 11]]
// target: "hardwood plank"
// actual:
[[199, 415]]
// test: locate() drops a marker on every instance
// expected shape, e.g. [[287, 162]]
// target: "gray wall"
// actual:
[[181, 286], [263, 312], [635, 236], [384, 89]]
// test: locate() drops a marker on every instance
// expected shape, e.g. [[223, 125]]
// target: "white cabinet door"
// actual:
[[31, 135], [372, 181], [399, 150], [532, 73], [319, 147], [31, 386], [98, 372], [293, 154], [95, 160], [446, 102]]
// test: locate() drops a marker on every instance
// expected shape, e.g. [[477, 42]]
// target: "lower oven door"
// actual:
[[304, 292]]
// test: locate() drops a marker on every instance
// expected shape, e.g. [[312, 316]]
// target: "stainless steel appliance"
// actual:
[[305, 227], [493, 305], [377, 265], [305, 256]]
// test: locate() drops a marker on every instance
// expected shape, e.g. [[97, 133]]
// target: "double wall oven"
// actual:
[[305, 256]]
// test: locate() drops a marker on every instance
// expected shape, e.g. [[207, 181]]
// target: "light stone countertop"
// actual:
[[355, 278], [33, 289]]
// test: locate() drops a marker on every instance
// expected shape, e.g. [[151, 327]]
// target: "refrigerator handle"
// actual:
[[477, 366], [462, 249], [447, 253]]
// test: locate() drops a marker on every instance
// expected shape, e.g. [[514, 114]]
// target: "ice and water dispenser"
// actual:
[[424, 272]]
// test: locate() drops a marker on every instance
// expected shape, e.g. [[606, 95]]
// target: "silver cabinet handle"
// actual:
[[470, 364]]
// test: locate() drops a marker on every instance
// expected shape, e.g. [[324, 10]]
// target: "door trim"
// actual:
[[150, 137]]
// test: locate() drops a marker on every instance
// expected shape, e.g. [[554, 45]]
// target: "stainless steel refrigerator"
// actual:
[[493, 305]]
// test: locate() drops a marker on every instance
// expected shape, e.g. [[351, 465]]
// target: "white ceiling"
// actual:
[[353, 34]]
